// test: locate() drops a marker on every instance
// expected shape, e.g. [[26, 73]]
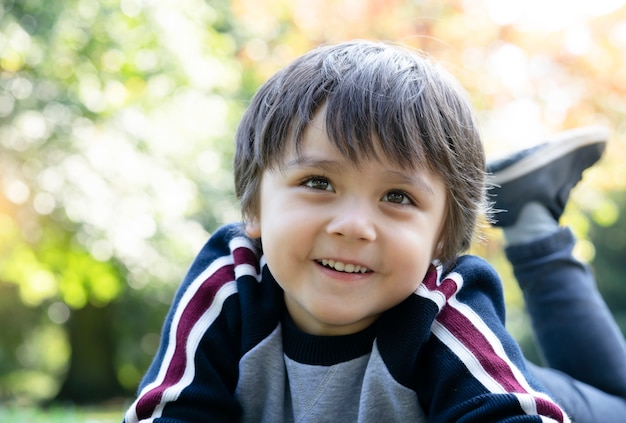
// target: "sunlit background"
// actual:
[[116, 126]]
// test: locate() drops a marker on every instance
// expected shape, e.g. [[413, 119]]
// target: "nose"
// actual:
[[353, 220]]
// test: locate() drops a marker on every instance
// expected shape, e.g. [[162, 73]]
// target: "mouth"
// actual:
[[343, 267]]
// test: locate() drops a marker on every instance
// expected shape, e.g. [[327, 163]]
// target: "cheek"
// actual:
[[416, 255]]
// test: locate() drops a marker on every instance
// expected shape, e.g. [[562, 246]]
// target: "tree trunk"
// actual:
[[91, 376]]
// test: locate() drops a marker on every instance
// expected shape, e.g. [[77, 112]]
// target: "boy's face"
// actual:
[[345, 243]]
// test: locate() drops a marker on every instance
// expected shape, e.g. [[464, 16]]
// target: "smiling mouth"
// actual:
[[342, 267]]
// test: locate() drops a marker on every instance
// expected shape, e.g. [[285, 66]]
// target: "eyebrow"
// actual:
[[392, 175], [412, 180], [308, 161]]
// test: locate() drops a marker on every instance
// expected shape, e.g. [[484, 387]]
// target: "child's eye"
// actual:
[[397, 197], [320, 183]]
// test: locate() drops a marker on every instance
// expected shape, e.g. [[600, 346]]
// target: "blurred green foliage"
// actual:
[[61, 415], [116, 126], [609, 264], [112, 172]]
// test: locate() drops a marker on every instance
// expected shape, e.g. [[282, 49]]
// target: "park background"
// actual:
[[116, 127]]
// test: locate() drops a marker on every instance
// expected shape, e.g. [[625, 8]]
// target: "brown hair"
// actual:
[[375, 94]]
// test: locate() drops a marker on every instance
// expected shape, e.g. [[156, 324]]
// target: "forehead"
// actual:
[[342, 143]]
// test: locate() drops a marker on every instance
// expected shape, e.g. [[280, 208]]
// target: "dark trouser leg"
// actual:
[[575, 331]]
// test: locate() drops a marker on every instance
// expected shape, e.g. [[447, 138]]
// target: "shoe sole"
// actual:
[[556, 148]]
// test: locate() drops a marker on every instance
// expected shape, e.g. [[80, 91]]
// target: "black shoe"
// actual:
[[545, 173]]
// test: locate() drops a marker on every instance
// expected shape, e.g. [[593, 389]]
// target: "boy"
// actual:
[[343, 296]]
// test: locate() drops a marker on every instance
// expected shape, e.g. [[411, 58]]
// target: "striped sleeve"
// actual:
[[193, 373], [482, 374]]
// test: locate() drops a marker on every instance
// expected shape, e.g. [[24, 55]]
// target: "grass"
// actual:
[[61, 415]]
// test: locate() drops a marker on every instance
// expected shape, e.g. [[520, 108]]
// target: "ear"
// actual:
[[253, 227], [438, 250]]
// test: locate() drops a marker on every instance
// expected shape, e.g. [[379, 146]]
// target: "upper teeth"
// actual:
[[342, 267]]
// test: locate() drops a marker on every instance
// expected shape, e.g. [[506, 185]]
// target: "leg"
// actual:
[[575, 330], [576, 334]]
